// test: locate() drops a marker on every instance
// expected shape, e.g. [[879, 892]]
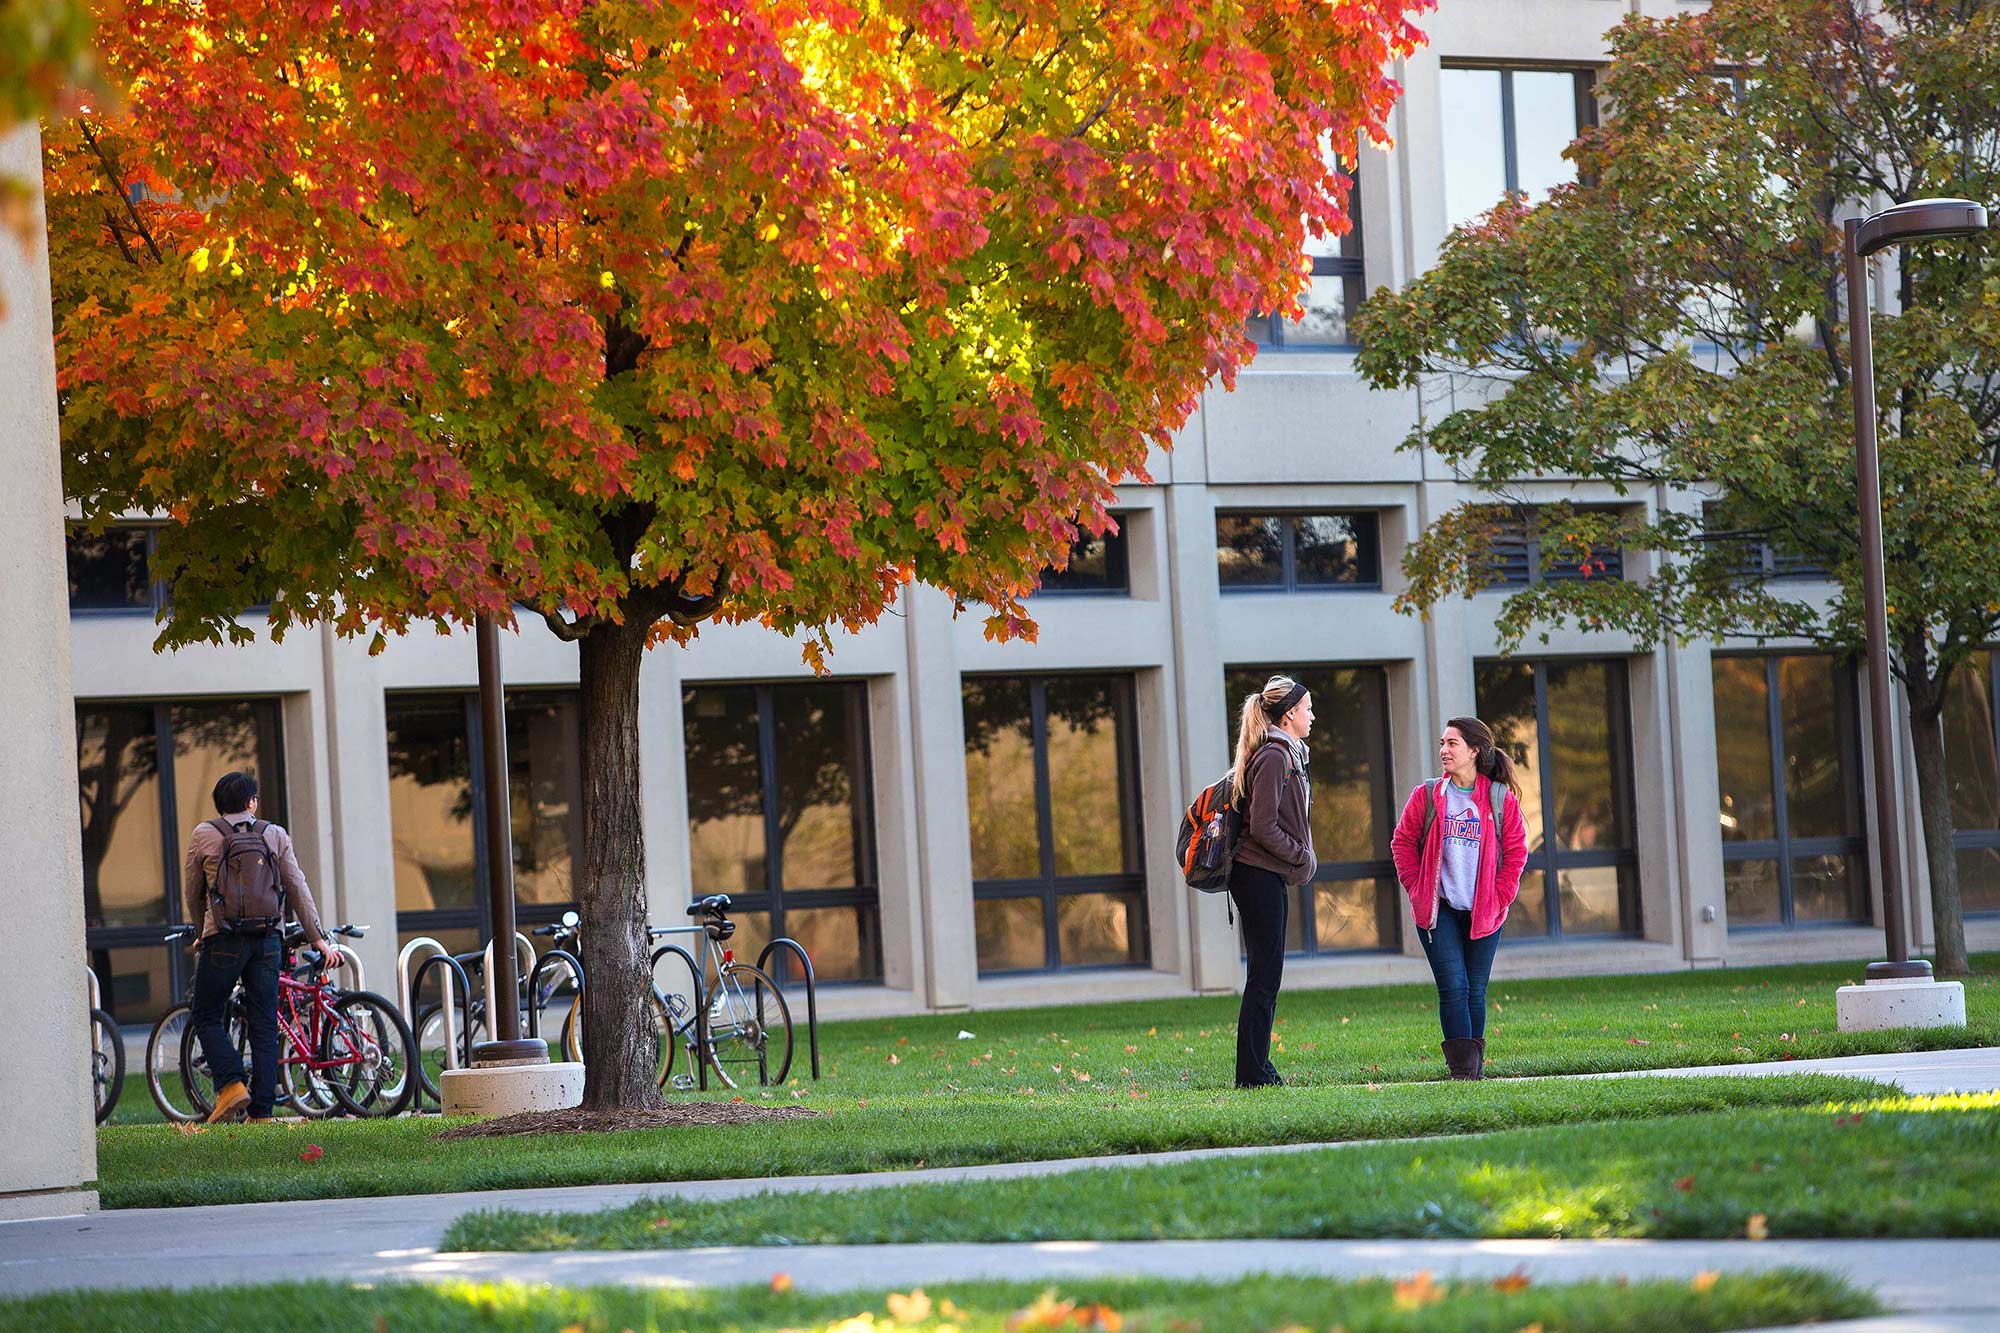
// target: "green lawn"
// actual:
[[156, 1166], [1884, 1167], [1415, 1305], [1108, 1078]]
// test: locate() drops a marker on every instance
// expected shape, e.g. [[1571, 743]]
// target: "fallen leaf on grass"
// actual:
[[1704, 1280], [911, 1309], [781, 1282], [1685, 1184], [1756, 1228], [665, 1223], [312, 1153], [1513, 1282], [1637, 1041], [895, 1059], [1419, 1290]]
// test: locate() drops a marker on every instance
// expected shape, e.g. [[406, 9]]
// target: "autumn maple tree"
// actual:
[[1674, 325], [640, 314]]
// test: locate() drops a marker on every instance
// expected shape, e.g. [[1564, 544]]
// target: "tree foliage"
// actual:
[[1676, 319], [641, 313]]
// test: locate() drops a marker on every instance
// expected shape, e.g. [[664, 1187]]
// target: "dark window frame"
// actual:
[[1268, 330], [1783, 848], [1304, 899], [1757, 558], [1536, 570], [1550, 860], [432, 920], [1368, 550], [1585, 77], [1117, 564], [100, 940], [774, 899], [157, 603], [1046, 885], [1983, 839]]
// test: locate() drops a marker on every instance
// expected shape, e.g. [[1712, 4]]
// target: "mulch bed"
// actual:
[[576, 1120]]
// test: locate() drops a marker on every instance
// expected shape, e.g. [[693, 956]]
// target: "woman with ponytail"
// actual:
[[1274, 854], [1460, 848]]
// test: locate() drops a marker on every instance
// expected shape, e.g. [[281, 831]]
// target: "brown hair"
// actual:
[[1254, 724], [1494, 763]]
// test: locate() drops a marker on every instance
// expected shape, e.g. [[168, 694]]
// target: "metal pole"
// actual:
[[503, 976], [1875, 618]]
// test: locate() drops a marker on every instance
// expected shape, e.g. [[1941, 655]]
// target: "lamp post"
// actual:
[[1921, 219], [507, 1046]]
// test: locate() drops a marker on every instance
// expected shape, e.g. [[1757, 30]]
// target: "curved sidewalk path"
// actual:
[[395, 1238]]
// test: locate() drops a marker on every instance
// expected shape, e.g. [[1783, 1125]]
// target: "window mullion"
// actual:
[[1545, 764], [475, 770], [1774, 721], [1038, 713], [1510, 150], [767, 773]]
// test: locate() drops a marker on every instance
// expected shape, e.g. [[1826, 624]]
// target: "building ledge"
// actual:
[[1093, 987]]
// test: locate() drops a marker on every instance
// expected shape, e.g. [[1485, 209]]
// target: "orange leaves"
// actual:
[[1512, 1283], [1756, 1227], [781, 1282], [313, 1152], [1704, 1281], [1685, 1184], [1048, 1312], [1417, 1291]]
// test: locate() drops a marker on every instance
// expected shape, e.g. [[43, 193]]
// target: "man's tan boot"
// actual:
[[230, 1103]]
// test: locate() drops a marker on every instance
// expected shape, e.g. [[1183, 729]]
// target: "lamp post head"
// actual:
[[1920, 219]]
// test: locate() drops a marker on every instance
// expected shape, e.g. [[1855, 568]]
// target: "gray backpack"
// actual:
[[248, 895]]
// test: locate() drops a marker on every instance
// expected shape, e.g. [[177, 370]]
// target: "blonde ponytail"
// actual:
[[1253, 725]]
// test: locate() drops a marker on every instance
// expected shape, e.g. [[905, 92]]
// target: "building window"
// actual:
[[1516, 558], [1566, 725], [112, 571], [136, 814], [1052, 795], [1970, 752], [781, 818], [1333, 292], [1353, 901], [1786, 756], [1263, 552], [1096, 564], [437, 788], [1750, 554], [1506, 131]]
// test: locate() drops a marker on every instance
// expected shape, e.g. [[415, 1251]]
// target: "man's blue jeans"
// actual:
[[253, 960], [1460, 965]]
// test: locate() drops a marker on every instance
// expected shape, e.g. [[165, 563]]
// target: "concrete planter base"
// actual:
[[497, 1090], [1900, 1004]]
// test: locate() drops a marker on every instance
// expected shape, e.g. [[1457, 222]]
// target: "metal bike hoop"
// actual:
[[812, 995], [354, 962], [452, 1036], [522, 966], [698, 1055], [575, 966], [96, 995]]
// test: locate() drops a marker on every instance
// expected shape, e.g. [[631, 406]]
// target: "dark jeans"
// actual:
[[224, 961], [1263, 901], [1461, 965]]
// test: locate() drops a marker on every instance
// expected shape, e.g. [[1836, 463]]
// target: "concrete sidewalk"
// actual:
[[1919, 1073]]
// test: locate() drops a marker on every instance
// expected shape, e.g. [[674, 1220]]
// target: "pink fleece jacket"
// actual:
[[1502, 856]]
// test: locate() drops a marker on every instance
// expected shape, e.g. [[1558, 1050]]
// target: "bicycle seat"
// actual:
[[713, 905]]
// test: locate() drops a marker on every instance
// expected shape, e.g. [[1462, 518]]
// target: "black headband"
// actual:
[[1277, 711]]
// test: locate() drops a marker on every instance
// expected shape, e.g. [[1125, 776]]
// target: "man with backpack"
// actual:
[[240, 875]]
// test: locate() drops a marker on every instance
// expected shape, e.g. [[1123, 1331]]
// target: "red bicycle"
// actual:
[[339, 1049]]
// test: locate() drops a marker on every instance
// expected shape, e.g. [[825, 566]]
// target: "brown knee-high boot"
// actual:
[[1463, 1056]]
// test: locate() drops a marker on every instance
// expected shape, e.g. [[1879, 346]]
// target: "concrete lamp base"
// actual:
[[1900, 1002], [488, 1091]]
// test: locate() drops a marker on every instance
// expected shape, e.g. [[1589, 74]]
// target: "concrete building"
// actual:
[[949, 822]]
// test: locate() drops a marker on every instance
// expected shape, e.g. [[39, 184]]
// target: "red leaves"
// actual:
[[313, 1152]]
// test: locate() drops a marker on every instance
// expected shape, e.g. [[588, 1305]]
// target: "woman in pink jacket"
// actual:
[[1462, 874]]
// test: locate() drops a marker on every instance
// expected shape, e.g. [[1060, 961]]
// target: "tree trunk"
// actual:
[[619, 1049], [1934, 800]]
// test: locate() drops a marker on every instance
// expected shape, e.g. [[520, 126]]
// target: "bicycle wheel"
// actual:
[[163, 1067], [107, 1063], [749, 1028], [663, 1037], [430, 1042], [678, 997], [195, 1078], [370, 1037], [557, 998]]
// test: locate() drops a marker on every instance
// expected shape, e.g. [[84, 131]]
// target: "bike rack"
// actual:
[[96, 995], [575, 966], [522, 967], [700, 1005], [408, 987], [354, 962], [812, 995]]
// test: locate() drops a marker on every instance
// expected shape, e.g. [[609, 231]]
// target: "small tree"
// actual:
[[1677, 319], [639, 315]]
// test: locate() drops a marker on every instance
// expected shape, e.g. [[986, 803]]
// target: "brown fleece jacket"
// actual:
[[1276, 836]]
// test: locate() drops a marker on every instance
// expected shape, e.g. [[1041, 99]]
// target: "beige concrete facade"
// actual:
[[48, 1152], [1299, 431]]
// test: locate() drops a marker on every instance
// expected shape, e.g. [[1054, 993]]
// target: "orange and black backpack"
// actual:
[[1207, 844]]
